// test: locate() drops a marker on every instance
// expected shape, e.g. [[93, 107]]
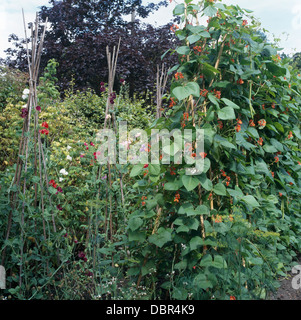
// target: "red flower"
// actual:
[[53, 184], [185, 115], [204, 92], [45, 125], [172, 103], [276, 159], [145, 166], [251, 123], [262, 123], [232, 298], [179, 75], [44, 131], [238, 128], [177, 197], [260, 141], [217, 94], [203, 155]]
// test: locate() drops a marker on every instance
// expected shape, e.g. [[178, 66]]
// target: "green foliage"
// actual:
[[12, 84], [228, 231], [154, 231]]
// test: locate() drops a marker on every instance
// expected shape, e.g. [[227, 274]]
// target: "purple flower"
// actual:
[[104, 177], [65, 235], [82, 256], [59, 207], [122, 80], [59, 189], [102, 84], [38, 108], [24, 113], [102, 89], [89, 274]]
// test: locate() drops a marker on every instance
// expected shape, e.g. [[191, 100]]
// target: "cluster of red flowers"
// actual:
[[197, 49], [252, 123], [143, 198], [173, 27], [55, 186], [260, 141], [228, 179], [245, 22], [217, 94], [220, 124], [262, 123], [172, 171], [238, 125], [172, 103], [218, 219], [185, 118], [44, 131], [177, 197], [203, 155], [179, 75], [204, 92]]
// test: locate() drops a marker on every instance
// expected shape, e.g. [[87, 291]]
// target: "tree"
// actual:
[[80, 32]]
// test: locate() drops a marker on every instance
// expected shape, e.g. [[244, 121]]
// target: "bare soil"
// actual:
[[286, 291]]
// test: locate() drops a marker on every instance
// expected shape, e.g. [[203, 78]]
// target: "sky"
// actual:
[[282, 18]]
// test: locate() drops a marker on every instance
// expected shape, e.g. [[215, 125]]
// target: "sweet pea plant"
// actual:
[[230, 231]]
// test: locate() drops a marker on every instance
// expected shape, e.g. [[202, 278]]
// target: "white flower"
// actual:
[[25, 94], [108, 116], [61, 179], [69, 158], [64, 172], [68, 147]]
